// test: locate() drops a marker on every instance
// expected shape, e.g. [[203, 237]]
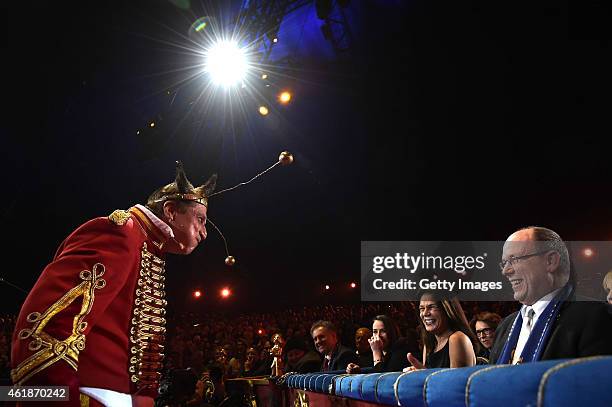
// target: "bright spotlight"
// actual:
[[263, 110], [284, 97], [327, 287], [197, 294], [225, 293], [226, 63], [353, 285], [588, 252]]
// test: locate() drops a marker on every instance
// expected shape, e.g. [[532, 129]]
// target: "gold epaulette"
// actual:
[[119, 217]]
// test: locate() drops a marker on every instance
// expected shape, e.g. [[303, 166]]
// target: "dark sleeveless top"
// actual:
[[440, 358]]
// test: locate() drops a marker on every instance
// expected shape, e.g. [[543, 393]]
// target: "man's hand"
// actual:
[[353, 368]]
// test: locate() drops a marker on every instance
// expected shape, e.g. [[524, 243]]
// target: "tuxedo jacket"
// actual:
[[580, 329]]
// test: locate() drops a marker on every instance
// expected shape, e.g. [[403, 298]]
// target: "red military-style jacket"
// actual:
[[96, 315]]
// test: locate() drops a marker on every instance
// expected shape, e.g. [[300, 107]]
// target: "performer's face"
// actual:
[[189, 226], [530, 277]]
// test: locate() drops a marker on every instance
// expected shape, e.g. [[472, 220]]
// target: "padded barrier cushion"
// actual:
[[342, 384], [408, 388], [578, 382], [354, 390], [367, 386], [322, 382], [505, 385], [446, 387], [384, 391]]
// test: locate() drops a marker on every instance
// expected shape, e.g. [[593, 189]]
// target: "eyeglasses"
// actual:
[[512, 260], [484, 332]]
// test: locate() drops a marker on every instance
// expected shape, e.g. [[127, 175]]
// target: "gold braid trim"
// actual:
[[50, 349], [147, 331]]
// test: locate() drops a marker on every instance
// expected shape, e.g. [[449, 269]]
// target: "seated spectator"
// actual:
[[388, 349], [607, 285], [335, 356], [300, 358], [221, 359], [364, 352], [252, 363], [552, 322], [233, 361], [446, 336], [210, 388], [484, 325]]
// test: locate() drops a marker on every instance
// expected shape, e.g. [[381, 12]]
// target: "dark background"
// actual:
[[444, 121]]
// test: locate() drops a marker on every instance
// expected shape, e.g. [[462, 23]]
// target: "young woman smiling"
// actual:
[[446, 336]]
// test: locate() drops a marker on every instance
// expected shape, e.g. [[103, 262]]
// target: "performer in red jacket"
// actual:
[[94, 320]]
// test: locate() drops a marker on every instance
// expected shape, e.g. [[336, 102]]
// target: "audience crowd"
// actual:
[[240, 345]]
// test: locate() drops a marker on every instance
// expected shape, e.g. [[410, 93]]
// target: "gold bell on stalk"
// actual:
[[285, 158], [230, 260]]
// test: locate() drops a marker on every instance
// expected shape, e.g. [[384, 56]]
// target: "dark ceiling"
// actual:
[[444, 121]]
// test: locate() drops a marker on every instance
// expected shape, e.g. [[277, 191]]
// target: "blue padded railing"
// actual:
[[575, 382]]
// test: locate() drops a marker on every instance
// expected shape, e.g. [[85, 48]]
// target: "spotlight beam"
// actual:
[[226, 63]]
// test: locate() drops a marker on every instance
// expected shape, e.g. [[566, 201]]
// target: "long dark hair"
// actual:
[[455, 318], [393, 331]]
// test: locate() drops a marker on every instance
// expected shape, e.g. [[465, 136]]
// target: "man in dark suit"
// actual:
[[335, 356], [551, 324]]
